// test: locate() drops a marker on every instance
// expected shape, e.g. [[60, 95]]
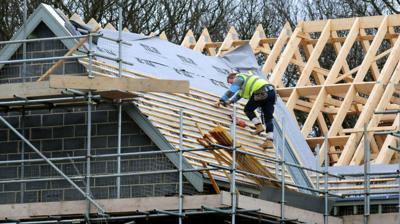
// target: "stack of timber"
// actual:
[[244, 162]]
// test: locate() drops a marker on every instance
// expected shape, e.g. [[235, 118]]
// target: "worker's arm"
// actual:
[[235, 98], [234, 88]]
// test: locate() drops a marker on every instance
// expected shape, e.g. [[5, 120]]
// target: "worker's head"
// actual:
[[231, 76]]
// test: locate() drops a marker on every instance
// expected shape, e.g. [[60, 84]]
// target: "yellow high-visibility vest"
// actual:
[[251, 84]]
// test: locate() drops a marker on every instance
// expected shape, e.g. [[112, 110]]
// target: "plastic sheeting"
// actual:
[[165, 60]]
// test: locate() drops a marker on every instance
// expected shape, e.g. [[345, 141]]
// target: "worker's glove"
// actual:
[[225, 103]]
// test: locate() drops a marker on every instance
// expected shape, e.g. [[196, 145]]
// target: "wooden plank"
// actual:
[[372, 103], [375, 120], [228, 41], [312, 61], [121, 84], [189, 41], [330, 78], [287, 54], [270, 62], [366, 45], [27, 89], [202, 41], [386, 154], [64, 208], [346, 23], [211, 177], [255, 40], [367, 61]]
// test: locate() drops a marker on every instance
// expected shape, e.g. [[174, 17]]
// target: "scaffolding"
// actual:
[[89, 98]]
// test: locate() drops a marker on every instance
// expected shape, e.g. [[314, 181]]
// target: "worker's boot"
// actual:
[[259, 129], [268, 143]]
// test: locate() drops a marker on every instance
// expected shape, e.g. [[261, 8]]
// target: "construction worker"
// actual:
[[260, 93]]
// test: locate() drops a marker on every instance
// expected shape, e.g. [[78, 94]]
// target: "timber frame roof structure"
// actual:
[[330, 95]]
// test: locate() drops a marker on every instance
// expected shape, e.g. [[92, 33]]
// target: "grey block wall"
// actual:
[[14, 73], [62, 133]]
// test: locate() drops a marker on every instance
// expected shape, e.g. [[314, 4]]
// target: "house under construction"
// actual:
[[101, 125]]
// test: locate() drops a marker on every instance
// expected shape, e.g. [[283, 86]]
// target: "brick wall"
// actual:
[[62, 133]]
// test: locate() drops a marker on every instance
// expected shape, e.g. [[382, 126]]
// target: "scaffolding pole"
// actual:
[[119, 148], [233, 168], [366, 175], [88, 153], [180, 209], [326, 190], [283, 173]]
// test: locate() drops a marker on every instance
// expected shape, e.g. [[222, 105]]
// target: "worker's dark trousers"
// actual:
[[267, 107]]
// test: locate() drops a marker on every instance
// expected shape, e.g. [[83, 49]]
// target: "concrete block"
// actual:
[[105, 106], [99, 116], [59, 184], [40, 185], [113, 116], [12, 187], [47, 171], [111, 166], [126, 191], [14, 121], [52, 195], [32, 171], [9, 172], [131, 149], [150, 178], [72, 194], [29, 196], [130, 128], [12, 136], [52, 144], [8, 147], [74, 118], [107, 129], [130, 180], [99, 142], [170, 178], [3, 135], [63, 132], [73, 169], [73, 68], [139, 140], [103, 151], [74, 143], [112, 141], [14, 156], [81, 130], [7, 198], [165, 189], [99, 192], [105, 181], [53, 119], [32, 121], [142, 190], [97, 168], [41, 133]]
